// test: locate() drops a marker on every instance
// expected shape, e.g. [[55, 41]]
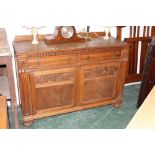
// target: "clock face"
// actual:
[[67, 31]]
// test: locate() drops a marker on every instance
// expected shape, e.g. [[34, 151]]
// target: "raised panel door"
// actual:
[[53, 89], [98, 82]]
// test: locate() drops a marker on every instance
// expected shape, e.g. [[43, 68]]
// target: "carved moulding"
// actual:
[[79, 51], [125, 54], [53, 78], [22, 66], [113, 70]]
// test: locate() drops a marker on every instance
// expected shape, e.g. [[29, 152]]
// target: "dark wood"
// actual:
[[119, 32], [138, 31], [133, 78], [144, 31], [144, 46], [134, 31], [57, 37], [61, 78], [153, 31], [6, 60], [148, 31], [4, 123], [135, 40], [130, 31], [148, 77]]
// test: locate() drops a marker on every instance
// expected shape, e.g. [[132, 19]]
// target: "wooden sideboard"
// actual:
[[61, 78]]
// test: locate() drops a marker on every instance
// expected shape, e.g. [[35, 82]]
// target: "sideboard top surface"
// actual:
[[27, 47]]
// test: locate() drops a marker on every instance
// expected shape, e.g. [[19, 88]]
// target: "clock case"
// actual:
[[57, 37]]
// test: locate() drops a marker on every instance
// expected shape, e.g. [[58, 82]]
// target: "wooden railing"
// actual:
[[138, 41], [138, 51]]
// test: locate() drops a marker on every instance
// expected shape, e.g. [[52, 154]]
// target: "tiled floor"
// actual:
[[105, 117]]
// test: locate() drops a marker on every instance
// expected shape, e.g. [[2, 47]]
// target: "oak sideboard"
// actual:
[[60, 78]]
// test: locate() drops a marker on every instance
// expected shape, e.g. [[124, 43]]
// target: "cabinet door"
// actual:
[[98, 82], [53, 89]]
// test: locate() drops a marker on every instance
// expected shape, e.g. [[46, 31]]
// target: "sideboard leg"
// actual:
[[117, 105], [28, 123], [15, 115]]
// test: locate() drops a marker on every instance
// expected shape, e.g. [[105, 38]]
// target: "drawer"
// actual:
[[100, 70], [100, 56], [53, 60]]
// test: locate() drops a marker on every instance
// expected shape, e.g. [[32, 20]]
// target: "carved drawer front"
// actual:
[[52, 60], [54, 89], [100, 56], [98, 82]]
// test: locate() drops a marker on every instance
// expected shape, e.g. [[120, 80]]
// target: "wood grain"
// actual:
[[4, 48], [144, 31], [60, 78], [145, 116], [6, 62], [3, 113], [133, 57]]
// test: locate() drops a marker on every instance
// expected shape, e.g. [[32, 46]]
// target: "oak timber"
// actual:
[[56, 79]]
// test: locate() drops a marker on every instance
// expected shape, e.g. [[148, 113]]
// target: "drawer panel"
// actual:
[[101, 71], [55, 60], [100, 56], [54, 79]]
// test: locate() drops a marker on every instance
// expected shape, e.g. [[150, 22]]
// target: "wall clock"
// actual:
[[63, 34]]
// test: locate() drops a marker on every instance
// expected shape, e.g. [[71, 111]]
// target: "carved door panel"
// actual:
[[98, 82], [53, 89]]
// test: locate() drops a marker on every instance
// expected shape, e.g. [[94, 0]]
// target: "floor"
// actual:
[[105, 117]]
